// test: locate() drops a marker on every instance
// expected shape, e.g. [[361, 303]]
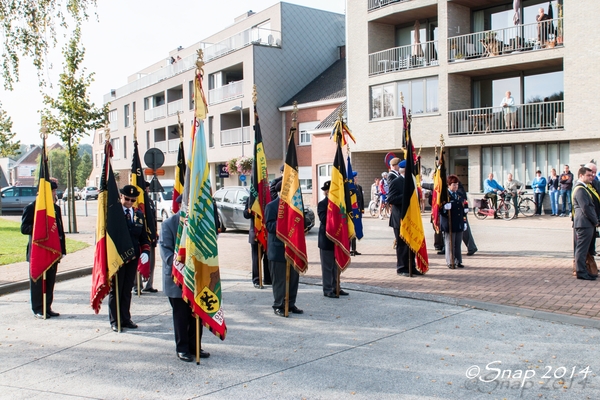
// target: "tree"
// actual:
[[7, 146], [59, 166], [72, 115], [29, 30], [84, 170]]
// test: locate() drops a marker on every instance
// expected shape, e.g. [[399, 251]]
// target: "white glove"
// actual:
[[144, 258], [465, 228], [466, 210], [448, 206]]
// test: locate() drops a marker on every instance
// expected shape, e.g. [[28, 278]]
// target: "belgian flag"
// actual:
[[260, 195], [179, 178]]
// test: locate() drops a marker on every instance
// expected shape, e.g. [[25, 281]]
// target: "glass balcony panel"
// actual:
[[403, 57]]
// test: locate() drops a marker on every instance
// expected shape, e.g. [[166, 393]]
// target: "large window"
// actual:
[[126, 115], [305, 177], [523, 160], [305, 128], [419, 95]]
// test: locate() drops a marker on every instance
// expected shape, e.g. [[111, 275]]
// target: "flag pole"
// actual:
[[260, 277], [337, 286], [137, 274], [197, 340], [118, 307], [287, 289], [44, 293]]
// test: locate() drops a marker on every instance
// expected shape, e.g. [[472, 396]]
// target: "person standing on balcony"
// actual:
[[544, 28], [566, 185], [510, 111], [553, 190], [539, 191]]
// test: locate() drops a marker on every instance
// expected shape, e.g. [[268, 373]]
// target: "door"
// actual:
[[324, 176]]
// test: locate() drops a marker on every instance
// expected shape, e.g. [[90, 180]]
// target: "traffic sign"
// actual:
[[154, 158], [243, 178]]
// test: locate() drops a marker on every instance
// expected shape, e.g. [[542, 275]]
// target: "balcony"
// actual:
[[232, 137], [534, 116], [155, 113], [175, 107], [231, 91], [511, 40], [257, 36], [376, 4], [403, 57]]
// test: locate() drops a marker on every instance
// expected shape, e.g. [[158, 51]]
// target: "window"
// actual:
[[126, 115], [116, 145], [147, 139], [112, 115], [305, 177], [230, 197], [125, 147], [191, 96], [420, 96], [522, 160], [305, 128], [211, 133], [97, 160]]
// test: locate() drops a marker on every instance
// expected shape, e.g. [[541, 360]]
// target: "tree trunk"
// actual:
[[71, 199]]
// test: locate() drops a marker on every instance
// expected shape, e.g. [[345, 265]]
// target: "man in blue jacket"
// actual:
[[490, 190]]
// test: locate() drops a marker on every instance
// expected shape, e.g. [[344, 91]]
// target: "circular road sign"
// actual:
[[154, 158]]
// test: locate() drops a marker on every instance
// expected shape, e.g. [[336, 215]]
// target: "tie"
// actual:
[[128, 217]]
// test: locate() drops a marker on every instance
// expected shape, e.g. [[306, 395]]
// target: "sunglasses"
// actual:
[[129, 199]]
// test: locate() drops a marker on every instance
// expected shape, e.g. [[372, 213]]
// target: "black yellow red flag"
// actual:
[[179, 178], [260, 194]]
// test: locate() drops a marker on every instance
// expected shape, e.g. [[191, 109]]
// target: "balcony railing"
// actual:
[[162, 146], [174, 107], [375, 4], [260, 36], [526, 117], [155, 113], [227, 92], [173, 145], [232, 137], [404, 57], [512, 40]]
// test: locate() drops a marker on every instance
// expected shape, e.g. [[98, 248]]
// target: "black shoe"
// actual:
[[356, 253], [279, 312], [459, 265], [441, 252], [586, 277], [267, 283], [204, 354], [130, 325], [256, 286], [114, 327], [51, 313], [331, 295], [403, 273], [451, 266], [150, 290], [470, 253], [342, 293], [187, 357], [296, 310], [135, 292], [40, 315]]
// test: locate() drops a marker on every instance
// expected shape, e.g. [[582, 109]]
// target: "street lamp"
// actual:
[[241, 109]]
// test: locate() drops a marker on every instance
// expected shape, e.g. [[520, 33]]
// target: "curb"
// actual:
[[61, 276]]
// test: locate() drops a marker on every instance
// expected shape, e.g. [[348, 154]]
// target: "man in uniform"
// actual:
[[126, 274], [394, 169], [277, 262], [184, 322], [585, 221], [36, 288], [326, 249]]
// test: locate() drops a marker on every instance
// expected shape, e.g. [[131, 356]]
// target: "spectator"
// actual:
[[544, 26], [553, 191], [566, 185], [383, 190], [514, 187], [539, 191], [510, 111], [490, 190]]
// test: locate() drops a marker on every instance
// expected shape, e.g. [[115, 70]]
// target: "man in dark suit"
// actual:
[[277, 262], [396, 198], [184, 322], [326, 250], [126, 274], [36, 288], [360, 200], [248, 214], [585, 221]]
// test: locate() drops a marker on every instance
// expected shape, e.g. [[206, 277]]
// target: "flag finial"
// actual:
[[134, 127], [107, 132], [401, 97], [44, 129], [179, 130], [442, 141], [200, 62]]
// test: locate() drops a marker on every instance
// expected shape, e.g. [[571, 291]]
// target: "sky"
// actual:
[[123, 38]]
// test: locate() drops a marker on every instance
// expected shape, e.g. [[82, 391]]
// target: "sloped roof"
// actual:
[[330, 84], [331, 118]]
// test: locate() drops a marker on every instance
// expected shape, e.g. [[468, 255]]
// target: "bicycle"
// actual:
[[482, 208], [374, 205], [527, 205]]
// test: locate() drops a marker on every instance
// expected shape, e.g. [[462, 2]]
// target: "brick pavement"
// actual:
[[523, 263]]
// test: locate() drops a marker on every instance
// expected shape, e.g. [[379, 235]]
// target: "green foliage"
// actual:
[[84, 170], [7, 146], [59, 166], [29, 30]]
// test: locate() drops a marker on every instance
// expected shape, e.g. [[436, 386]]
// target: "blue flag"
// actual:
[[356, 214]]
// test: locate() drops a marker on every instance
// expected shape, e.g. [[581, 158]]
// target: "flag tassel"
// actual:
[[197, 340], [44, 293]]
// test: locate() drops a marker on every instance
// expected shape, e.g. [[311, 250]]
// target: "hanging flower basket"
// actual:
[[240, 165]]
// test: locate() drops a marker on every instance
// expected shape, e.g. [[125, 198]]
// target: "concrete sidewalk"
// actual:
[[364, 346]]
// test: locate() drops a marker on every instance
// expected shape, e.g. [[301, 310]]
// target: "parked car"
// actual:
[[231, 202], [77, 194], [16, 198], [89, 192], [164, 200]]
